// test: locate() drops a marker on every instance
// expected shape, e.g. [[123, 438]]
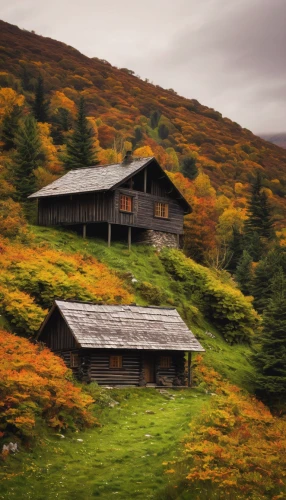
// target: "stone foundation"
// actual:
[[158, 239]]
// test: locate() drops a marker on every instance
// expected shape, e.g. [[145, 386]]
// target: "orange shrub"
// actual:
[[36, 387], [236, 448]]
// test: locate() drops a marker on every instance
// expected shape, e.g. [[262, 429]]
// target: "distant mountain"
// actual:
[[278, 139]]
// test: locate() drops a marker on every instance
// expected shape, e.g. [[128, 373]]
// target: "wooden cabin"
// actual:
[[121, 345], [134, 199]]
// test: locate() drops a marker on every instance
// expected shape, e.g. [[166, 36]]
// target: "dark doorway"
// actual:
[[149, 369]]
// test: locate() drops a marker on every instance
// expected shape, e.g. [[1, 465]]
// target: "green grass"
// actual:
[[121, 459], [144, 264], [124, 457]]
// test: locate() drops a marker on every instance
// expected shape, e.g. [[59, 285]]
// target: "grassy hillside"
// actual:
[[141, 448], [55, 263], [122, 458]]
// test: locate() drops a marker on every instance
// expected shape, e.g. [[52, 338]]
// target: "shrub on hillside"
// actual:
[[12, 221], [153, 294], [235, 449], [36, 387], [32, 277], [222, 304]]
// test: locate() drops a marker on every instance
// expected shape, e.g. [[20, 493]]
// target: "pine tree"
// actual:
[[267, 224], [235, 249], [154, 118], [40, 107], [189, 168], [27, 158], [80, 149], [254, 245], [271, 358], [9, 128], [264, 273], [243, 273], [259, 212]]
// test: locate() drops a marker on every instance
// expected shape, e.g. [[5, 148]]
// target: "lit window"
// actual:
[[125, 203], [74, 361], [165, 361], [115, 362], [161, 210]]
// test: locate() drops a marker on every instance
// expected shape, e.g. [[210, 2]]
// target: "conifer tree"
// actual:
[[271, 358], [243, 273], [80, 149], [9, 128], [27, 158], [189, 168], [40, 107], [254, 245], [235, 248], [264, 273], [259, 212]]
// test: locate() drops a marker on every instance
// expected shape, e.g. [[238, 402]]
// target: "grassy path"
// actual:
[[122, 459]]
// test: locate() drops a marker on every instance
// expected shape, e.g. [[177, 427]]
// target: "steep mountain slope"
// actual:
[[128, 108]]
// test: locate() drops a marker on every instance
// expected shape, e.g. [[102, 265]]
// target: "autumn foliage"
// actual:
[[236, 448], [36, 387], [32, 277], [218, 300], [123, 107]]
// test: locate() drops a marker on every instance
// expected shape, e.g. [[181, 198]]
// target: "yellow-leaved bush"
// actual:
[[217, 298], [32, 277]]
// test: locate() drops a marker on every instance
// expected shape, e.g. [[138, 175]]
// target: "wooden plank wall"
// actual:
[[143, 206], [104, 207], [56, 335], [75, 209]]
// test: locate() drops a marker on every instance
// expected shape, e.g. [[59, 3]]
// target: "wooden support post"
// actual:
[[189, 369], [84, 231], [129, 238], [109, 235], [145, 180], [178, 240]]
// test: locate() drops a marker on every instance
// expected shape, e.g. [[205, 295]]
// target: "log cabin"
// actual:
[[121, 345], [134, 200]]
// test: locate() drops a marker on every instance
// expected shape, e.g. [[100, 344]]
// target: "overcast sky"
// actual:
[[228, 54]]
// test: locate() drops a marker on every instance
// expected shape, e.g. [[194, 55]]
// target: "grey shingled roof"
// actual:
[[127, 327], [91, 179]]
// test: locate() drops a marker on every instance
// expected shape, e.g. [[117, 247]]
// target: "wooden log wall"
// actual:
[[94, 366], [100, 371]]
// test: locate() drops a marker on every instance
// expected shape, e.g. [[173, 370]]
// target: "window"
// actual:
[[165, 361], [115, 362], [125, 203], [161, 210], [74, 361]]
